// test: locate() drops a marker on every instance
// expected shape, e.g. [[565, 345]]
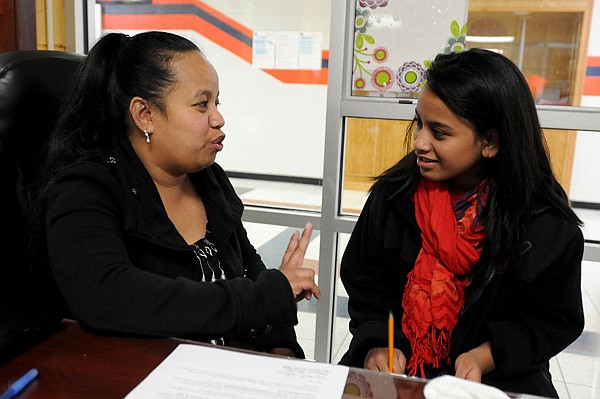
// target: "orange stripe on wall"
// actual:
[[190, 21], [593, 61], [591, 85], [178, 21], [317, 76], [206, 8]]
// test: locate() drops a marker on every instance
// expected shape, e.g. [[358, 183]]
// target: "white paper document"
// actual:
[[199, 372]]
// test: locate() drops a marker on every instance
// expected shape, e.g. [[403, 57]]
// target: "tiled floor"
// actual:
[[575, 371]]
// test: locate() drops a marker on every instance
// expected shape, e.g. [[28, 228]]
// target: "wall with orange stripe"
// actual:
[[210, 23], [274, 119], [591, 84]]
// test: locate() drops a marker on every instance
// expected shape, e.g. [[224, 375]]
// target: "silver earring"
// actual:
[[147, 136]]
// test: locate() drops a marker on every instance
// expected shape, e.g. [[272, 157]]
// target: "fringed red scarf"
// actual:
[[452, 235]]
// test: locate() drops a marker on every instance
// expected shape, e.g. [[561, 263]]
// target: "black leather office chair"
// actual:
[[33, 85]]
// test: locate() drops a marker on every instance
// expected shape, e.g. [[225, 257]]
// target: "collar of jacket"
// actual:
[[399, 199], [144, 213]]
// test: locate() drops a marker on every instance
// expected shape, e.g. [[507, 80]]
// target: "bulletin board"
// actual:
[[395, 41]]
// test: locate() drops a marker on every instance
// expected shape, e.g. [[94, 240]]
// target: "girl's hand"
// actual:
[[472, 365], [377, 359], [302, 280]]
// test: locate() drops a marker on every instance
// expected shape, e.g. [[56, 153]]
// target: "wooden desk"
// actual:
[[73, 364]]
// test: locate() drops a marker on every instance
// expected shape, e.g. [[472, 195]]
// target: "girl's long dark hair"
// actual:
[[489, 91]]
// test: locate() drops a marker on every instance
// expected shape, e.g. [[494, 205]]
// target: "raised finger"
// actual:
[[300, 251], [305, 238], [291, 247]]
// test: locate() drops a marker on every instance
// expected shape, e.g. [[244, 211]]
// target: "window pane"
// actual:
[[279, 194], [394, 41], [544, 45], [271, 242], [585, 179], [372, 146], [341, 336]]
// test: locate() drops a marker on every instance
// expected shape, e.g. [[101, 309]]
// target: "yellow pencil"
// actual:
[[391, 342]]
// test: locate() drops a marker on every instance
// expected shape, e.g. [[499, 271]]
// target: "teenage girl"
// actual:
[[469, 240]]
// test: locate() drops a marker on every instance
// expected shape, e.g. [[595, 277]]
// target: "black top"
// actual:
[[529, 312], [122, 266]]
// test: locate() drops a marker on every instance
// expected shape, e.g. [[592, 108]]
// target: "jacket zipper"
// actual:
[[479, 293]]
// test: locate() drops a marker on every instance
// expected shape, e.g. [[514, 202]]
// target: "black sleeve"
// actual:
[[373, 289], [270, 336], [105, 291], [549, 315]]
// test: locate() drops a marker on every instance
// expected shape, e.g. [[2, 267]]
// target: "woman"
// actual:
[[469, 240], [144, 231]]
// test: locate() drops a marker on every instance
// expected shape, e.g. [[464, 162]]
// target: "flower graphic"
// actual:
[[383, 78], [360, 83], [380, 54], [361, 51], [410, 76], [372, 4], [361, 20], [456, 43]]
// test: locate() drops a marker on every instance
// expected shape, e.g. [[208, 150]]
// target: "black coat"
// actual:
[[122, 267], [529, 313]]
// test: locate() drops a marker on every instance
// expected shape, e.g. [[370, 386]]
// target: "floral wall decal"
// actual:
[[456, 43], [363, 57], [391, 36], [410, 76], [373, 3], [383, 78]]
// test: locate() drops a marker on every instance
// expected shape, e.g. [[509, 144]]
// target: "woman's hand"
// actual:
[[377, 359], [472, 365], [301, 279]]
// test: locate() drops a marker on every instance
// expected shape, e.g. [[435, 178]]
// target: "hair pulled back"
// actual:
[[95, 115], [117, 68]]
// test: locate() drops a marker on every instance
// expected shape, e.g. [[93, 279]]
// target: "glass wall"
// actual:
[[545, 46]]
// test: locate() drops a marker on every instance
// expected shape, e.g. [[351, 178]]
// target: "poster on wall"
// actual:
[[395, 41], [287, 50]]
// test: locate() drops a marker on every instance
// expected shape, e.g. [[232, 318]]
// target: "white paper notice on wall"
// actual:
[[310, 50], [263, 49], [196, 371], [287, 50]]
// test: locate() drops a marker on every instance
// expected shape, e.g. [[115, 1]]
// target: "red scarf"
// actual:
[[434, 293]]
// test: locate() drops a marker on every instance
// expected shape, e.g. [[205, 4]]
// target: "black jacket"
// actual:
[[529, 313], [122, 267]]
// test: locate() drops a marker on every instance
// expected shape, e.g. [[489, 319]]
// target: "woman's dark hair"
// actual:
[[490, 92], [95, 115], [117, 68]]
